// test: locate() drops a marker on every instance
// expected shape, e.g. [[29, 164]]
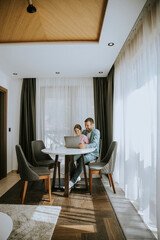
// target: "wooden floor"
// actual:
[[9, 181], [83, 217]]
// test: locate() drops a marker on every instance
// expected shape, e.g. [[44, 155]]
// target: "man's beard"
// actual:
[[89, 130]]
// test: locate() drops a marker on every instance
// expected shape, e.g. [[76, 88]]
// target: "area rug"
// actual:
[[31, 221]]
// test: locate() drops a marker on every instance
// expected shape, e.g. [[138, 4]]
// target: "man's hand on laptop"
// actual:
[[82, 146]]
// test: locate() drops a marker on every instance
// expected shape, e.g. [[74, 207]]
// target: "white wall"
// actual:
[[13, 110], [14, 95], [3, 80]]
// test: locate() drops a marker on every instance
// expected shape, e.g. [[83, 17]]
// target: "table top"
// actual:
[[6, 226], [67, 151]]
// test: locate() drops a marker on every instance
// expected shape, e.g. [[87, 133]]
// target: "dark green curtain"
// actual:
[[103, 103], [27, 131]]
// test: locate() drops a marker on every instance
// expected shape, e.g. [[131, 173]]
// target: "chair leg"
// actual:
[[90, 181], [114, 190], [91, 172], [47, 181], [46, 184], [24, 191], [110, 183], [49, 187], [59, 171]]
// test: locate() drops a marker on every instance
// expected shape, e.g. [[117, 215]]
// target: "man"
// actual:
[[94, 138]]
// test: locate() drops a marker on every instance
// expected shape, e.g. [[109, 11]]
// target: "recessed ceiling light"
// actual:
[[15, 74], [57, 72], [100, 72], [110, 44]]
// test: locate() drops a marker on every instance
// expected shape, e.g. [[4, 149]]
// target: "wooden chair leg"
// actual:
[[91, 172], [49, 187], [46, 184], [90, 181], [114, 190], [24, 191], [110, 183], [59, 174], [47, 181]]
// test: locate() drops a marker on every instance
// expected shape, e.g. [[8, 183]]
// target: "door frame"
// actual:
[[3, 132]]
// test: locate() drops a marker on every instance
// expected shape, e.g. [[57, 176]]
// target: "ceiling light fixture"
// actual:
[[15, 73], [31, 8], [57, 72], [100, 72], [110, 44]]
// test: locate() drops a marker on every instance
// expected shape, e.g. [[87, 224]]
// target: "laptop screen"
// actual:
[[72, 141]]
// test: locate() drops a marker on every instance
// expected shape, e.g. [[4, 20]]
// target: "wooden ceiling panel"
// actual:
[[54, 20]]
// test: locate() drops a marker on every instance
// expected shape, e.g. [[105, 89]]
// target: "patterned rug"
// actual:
[[33, 220]]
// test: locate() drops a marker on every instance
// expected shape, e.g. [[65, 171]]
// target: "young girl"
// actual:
[[78, 132]]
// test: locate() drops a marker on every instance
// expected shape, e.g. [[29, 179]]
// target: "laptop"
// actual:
[[72, 141]]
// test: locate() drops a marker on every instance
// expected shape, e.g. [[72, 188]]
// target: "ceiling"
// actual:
[[54, 20], [75, 54]]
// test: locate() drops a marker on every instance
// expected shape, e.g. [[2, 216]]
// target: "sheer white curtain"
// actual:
[[62, 103], [137, 117]]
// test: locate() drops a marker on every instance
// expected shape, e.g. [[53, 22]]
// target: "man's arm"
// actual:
[[95, 140], [94, 143]]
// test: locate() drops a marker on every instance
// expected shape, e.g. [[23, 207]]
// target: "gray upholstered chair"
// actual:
[[29, 173], [42, 159], [106, 165]]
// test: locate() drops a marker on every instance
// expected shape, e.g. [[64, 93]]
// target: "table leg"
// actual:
[[54, 172], [84, 169], [67, 162]]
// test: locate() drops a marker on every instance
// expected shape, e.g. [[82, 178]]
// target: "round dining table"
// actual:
[[6, 226], [68, 153]]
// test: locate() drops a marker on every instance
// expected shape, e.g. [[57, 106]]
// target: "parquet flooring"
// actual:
[[86, 217], [82, 217]]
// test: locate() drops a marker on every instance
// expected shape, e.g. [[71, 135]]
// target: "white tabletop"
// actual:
[[6, 226], [67, 151]]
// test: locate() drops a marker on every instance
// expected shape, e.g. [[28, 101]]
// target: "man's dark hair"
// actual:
[[89, 120]]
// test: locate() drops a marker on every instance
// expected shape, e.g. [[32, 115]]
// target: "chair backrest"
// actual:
[[100, 151], [26, 173], [110, 158], [38, 155]]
